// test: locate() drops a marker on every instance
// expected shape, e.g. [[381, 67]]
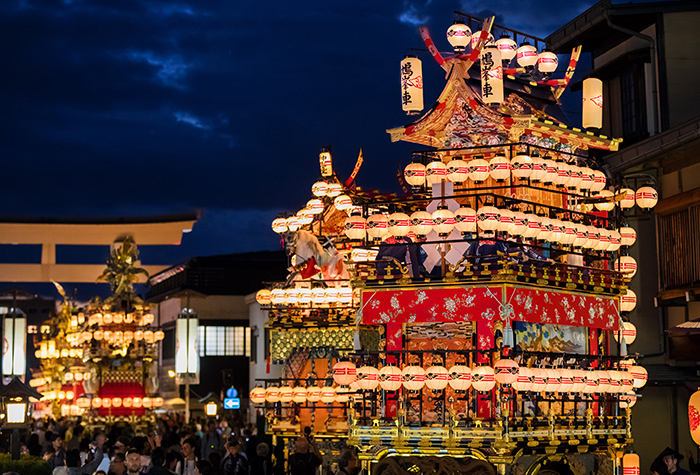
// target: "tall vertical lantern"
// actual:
[[14, 355], [491, 75], [411, 85], [592, 103], [186, 348], [630, 464], [694, 416], [325, 161]]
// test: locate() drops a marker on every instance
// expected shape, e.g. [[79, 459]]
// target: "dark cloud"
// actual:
[[137, 107]]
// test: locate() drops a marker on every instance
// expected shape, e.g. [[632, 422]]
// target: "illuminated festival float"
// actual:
[[102, 363], [479, 321]]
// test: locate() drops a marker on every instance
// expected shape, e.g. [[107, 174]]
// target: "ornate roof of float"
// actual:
[[460, 118]]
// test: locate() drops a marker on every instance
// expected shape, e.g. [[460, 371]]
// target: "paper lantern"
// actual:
[[331, 295], [546, 229], [390, 378], [539, 169], [488, 218], [328, 394], [628, 301], [355, 227], [615, 385], [443, 221], [334, 189], [414, 173], [411, 85], [566, 377], [293, 223], [558, 230], [318, 296], [399, 224], [128, 402], [553, 380], [626, 265], [604, 205], [520, 223], [507, 47], [304, 296], [459, 35], [630, 464], [413, 378], [465, 220], [628, 236], [107, 318], [313, 394], [157, 401], [491, 75], [580, 380], [603, 381], [592, 103], [593, 237], [475, 40], [368, 377], [629, 333], [615, 241], [421, 223], [506, 220], [533, 226], [563, 174], [569, 235], [694, 416], [599, 181], [524, 379], [304, 217], [138, 402], [646, 197], [459, 377], [264, 297], [478, 170], [257, 396], [576, 177], [521, 166], [627, 381], [291, 296], [592, 382], [320, 188], [83, 402], [345, 295], [377, 226], [526, 55], [628, 400], [342, 395], [97, 402], [551, 170], [344, 372], [581, 235], [272, 394], [587, 178], [547, 62], [457, 171], [342, 202], [640, 375], [538, 379], [483, 378], [506, 371], [435, 172], [436, 378], [604, 241]]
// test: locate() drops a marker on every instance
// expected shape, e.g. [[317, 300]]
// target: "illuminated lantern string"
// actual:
[[344, 372], [457, 171], [414, 173], [465, 220], [368, 377], [257, 395], [459, 35]]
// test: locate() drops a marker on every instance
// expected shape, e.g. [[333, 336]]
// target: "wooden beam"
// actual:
[[677, 202]]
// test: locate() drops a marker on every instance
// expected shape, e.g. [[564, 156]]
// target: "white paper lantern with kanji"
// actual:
[[299, 395], [521, 166], [499, 168], [334, 189], [277, 296], [646, 197], [626, 265], [344, 372], [483, 378], [443, 221], [628, 235], [506, 371], [414, 173], [640, 375], [304, 217], [457, 171], [304, 296], [368, 377], [615, 240], [399, 224], [628, 201], [436, 378], [569, 235], [465, 220], [459, 377], [421, 223], [320, 188], [390, 378], [413, 378], [478, 170], [293, 223], [257, 395], [488, 218], [435, 172], [342, 202], [599, 181], [593, 238], [264, 297]]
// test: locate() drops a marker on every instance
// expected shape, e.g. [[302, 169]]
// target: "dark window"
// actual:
[[679, 248], [168, 345]]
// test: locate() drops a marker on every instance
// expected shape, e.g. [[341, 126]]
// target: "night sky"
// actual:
[[132, 108]]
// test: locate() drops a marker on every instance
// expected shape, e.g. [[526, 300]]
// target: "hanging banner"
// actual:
[[411, 85], [14, 344], [186, 348], [491, 75]]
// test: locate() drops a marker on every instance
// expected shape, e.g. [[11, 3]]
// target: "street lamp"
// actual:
[[187, 352], [15, 398], [211, 408]]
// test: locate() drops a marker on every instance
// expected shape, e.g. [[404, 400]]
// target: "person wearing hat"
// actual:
[[671, 459]]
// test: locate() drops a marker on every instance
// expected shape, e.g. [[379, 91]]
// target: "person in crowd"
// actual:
[[187, 448], [671, 458], [158, 463], [305, 458], [174, 461], [100, 472], [117, 465], [658, 467], [56, 456], [235, 462], [73, 465], [133, 462], [346, 462], [211, 441], [261, 465]]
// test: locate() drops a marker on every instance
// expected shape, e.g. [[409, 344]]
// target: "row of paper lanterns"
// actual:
[[120, 318], [337, 296], [300, 395], [128, 402], [484, 378], [460, 36], [489, 218]]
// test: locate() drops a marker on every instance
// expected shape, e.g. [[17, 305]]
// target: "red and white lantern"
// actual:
[[629, 333], [694, 416], [640, 375], [627, 235], [628, 201], [483, 378], [630, 464], [499, 168], [522, 166], [399, 224], [523, 382], [257, 395], [344, 372], [299, 395], [459, 377], [465, 220], [313, 394], [272, 394], [436, 378], [413, 378], [355, 227], [626, 265], [443, 221], [368, 377], [479, 170], [646, 197], [506, 371], [377, 226], [435, 172], [457, 171], [285, 394], [414, 173], [328, 394], [390, 378], [488, 218]]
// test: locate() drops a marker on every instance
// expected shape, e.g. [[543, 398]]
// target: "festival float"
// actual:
[[101, 364], [480, 321]]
